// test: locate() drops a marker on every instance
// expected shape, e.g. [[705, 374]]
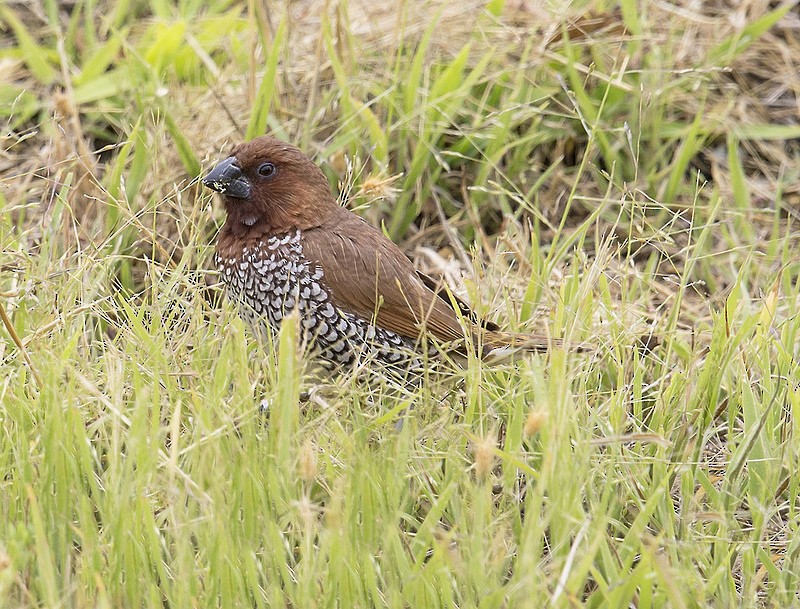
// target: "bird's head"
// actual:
[[270, 186]]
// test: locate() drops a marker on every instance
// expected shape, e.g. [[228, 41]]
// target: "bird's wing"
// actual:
[[369, 276], [440, 289]]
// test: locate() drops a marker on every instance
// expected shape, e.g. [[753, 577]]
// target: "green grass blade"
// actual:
[[266, 90], [185, 151], [736, 44], [36, 57]]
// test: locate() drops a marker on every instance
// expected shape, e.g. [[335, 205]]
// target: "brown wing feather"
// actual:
[[368, 275]]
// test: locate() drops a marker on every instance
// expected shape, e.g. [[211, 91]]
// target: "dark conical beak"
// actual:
[[227, 179]]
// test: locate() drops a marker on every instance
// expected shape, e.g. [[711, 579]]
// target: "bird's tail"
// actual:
[[498, 346]]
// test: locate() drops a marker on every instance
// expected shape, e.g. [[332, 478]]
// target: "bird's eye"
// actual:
[[266, 170]]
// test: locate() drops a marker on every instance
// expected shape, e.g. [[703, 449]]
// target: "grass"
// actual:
[[603, 173]]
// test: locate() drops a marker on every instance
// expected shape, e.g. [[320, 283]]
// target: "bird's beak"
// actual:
[[227, 179]]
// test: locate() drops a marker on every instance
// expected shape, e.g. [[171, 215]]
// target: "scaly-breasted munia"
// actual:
[[288, 245]]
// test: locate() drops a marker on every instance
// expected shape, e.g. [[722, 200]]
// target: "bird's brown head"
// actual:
[[269, 186]]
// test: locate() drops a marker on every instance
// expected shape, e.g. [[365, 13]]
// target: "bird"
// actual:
[[288, 246]]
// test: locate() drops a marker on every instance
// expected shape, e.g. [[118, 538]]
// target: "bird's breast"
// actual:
[[266, 276], [271, 278]]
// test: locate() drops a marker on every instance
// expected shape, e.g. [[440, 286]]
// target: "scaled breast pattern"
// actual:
[[272, 278]]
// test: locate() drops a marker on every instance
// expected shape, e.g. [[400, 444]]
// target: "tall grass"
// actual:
[[591, 171]]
